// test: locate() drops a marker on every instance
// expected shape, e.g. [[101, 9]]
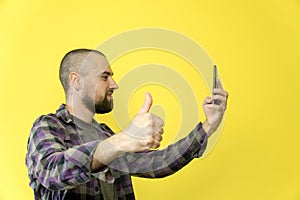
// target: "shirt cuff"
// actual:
[[201, 137], [104, 175]]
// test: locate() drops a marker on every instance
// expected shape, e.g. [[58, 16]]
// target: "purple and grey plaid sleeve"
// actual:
[[161, 163], [49, 160]]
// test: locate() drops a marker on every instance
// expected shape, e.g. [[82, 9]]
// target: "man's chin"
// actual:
[[102, 111]]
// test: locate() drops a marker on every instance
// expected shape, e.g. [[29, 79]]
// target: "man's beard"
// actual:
[[100, 107]]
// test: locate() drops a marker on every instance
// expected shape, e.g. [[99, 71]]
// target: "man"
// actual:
[[71, 156]]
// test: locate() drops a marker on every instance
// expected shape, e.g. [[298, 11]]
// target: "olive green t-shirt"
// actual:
[[88, 132]]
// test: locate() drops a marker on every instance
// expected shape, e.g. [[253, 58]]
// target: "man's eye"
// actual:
[[104, 77]]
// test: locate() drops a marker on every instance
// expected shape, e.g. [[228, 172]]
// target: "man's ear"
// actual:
[[75, 80]]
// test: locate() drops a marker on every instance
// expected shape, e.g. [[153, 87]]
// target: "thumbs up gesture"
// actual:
[[145, 130]]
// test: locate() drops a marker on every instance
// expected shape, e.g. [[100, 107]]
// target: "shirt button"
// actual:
[[96, 189]]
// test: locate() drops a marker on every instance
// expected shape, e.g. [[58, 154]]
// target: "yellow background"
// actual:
[[256, 45]]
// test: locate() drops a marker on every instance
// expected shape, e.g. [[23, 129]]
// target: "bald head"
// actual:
[[74, 61]]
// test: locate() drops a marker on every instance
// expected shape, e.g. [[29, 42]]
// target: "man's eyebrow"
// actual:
[[107, 73]]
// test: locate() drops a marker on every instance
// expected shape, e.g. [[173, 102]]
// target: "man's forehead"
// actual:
[[98, 64], [107, 71]]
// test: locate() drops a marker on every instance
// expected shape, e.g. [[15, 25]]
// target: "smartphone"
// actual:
[[215, 83]]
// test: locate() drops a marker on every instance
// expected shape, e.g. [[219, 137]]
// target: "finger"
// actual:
[[149, 142], [220, 91], [155, 144], [207, 100], [157, 121], [158, 137], [221, 99], [212, 106], [219, 84], [161, 131], [147, 104]]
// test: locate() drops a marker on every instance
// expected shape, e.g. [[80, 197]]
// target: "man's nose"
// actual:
[[113, 84]]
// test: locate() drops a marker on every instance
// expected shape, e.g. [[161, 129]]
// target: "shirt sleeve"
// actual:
[[161, 163], [51, 163]]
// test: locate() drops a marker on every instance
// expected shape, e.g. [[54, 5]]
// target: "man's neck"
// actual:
[[79, 110]]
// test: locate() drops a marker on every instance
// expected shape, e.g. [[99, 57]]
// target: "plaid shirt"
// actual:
[[59, 160]]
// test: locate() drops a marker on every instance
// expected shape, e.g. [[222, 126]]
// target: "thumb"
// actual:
[[147, 104]]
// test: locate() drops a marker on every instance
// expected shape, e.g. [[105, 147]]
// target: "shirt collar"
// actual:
[[64, 114]]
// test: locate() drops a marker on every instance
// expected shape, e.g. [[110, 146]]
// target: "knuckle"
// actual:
[[226, 94], [149, 142], [147, 116], [162, 123], [150, 123], [159, 138]]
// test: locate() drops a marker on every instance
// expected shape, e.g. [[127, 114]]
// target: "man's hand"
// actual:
[[144, 132], [214, 113]]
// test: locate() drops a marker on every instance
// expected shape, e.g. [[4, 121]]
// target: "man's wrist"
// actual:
[[207, 128], [108, 150], [119, 141]]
